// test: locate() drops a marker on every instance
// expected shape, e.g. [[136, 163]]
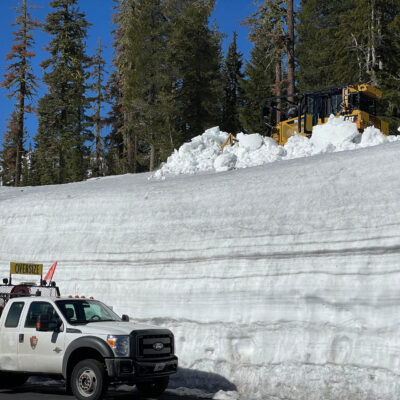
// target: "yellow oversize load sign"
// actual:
[[26, 269]]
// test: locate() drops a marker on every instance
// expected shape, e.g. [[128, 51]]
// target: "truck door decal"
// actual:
[[34, 341]]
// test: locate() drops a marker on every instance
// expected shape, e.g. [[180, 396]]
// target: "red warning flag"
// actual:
[[50, 274]]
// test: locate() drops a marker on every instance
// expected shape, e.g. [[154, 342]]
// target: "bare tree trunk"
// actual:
[[277, 89], [131, 152], [135, 147], [373, 43], [152, 157], [290, 49], [99, 169], [20, 136], [98, 138], [130, 143]]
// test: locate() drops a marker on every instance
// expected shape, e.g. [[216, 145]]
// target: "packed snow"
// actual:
[[204, 153], [279, 281]]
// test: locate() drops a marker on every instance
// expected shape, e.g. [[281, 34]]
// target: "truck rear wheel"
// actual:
[[8, 380], [89, 380], [153, 388]]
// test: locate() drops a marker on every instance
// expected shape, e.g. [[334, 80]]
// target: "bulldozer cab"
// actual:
[[284, 118], [320, 106]]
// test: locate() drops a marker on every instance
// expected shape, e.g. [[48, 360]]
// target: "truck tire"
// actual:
[[153, 388], [8, 380], [89, 380]]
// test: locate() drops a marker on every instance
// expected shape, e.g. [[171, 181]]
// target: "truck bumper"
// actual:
[[127, 369]]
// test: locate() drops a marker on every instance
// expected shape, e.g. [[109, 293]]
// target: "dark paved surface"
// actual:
[[36, 392]]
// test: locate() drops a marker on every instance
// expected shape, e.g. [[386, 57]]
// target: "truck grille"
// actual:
[[154, 346]]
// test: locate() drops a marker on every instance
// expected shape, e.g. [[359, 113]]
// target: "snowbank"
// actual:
[[204, 152], [279, 282]]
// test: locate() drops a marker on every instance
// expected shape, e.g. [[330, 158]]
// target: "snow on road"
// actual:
[[279, 281]]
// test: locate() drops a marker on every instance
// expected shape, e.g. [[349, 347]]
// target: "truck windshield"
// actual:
[[79, 312]]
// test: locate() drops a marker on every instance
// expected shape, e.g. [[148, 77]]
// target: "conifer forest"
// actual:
[[171, 79]]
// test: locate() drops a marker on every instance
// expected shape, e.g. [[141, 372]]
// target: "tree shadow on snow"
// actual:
[[194, 379]]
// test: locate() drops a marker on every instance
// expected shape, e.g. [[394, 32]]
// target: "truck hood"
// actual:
[[112, 328]]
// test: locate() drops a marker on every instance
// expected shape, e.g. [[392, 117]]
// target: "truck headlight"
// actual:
[[119, 344]]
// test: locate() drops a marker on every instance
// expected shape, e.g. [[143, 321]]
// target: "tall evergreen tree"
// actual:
[[99, 87], [148, 80], [267, 30], [317, 46], [290, 48], [63, 134], [197, 57], [20, 81], [270, 40], [257, 87], [115, 145], [9, 152], [350, 42], [120, 115], [233, 77]]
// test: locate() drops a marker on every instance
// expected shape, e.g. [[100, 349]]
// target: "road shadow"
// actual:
[[194, 379], [197, 381], [57, 391]]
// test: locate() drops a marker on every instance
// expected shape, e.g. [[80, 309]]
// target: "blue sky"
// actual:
[[228, 14]]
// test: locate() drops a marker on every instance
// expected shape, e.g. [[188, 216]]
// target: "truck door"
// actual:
[[9, 337], [41, 351]]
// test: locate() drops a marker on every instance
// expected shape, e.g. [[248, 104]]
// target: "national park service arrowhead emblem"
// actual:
[[34, 341]]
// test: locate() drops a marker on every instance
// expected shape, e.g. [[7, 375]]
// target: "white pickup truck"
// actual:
[[84, 342]]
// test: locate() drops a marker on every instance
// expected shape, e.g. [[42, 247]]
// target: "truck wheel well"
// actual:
[[80, 354]]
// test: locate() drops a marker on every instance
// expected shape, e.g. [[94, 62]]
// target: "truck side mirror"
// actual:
[[43, 323], [125, 318]]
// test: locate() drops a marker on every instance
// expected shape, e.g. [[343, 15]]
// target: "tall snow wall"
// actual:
[[282, 281]]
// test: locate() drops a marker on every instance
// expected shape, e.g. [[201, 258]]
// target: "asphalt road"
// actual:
[[37, 392]]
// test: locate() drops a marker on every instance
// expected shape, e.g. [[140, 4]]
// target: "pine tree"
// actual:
[[63, 134], [9, 152], [351, 42], [197, 57], [267, 30], [316, 47], [21, 83], [98, 75], [115, 148], [233, 90], [122, 137], [149, 86], [270, 40], [388, 60], [290, 48], [257, 88]]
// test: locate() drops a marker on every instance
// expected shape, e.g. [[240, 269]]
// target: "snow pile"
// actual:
[[204, 152], [336, 134]]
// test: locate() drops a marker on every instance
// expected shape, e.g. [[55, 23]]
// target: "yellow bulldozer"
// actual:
[[286, 115]]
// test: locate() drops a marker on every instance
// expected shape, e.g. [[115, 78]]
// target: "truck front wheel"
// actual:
[[89, 380], [153, 388]]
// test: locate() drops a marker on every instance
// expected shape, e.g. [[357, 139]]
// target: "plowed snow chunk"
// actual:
[[204, 152], [225, 162], [335, 134], [250, 142], [372, 137], [298, 146]]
